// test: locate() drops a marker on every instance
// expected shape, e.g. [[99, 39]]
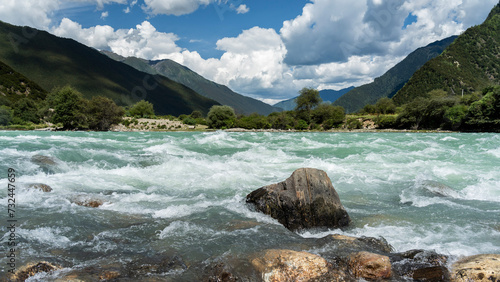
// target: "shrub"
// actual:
[[142, 109], [301, 125], [189, 120], [386, 121], [102, 112], [221, 117], [6, 115], [354, 123], [26, 110]]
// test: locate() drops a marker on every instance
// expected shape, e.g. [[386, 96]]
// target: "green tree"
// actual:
[[253, 121], [385, 106], [423, 113], [6, 115], [455, 116], [68, 107], [142, 109], [221, 117], [102, 112], [196, 115], [282, 120], [484, 115], [308, 99], [26, 110], [328, 115]]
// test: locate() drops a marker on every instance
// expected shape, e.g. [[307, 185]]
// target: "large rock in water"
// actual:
[[306, 199]]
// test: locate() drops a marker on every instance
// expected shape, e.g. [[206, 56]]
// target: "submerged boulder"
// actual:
[[40, 187], [46, 163], [306, 199], [477, 268], [87, 201]]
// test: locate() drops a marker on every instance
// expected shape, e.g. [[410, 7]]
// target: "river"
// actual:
[[183, 193]]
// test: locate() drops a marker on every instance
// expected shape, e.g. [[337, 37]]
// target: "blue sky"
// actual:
[[266, 49]]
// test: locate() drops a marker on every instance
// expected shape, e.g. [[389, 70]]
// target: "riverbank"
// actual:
[[166, 125]]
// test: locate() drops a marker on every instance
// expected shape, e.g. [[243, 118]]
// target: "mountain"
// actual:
[[327, 95], [51, 61], [470, 64], [14, 86], [393, 80], [181, 74]]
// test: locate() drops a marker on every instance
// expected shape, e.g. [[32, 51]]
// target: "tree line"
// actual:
[[67, 108]]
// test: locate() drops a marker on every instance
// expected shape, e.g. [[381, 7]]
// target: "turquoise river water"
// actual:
[[183, 193]]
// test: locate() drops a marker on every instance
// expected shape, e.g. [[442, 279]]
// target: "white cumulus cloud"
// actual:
[[144, 41], [33, 13], [173, 7], [242, 9]]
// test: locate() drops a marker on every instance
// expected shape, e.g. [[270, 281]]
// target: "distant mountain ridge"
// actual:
[[393, 80], [51, 61], [182, 74], [470, 64], [326, 95]]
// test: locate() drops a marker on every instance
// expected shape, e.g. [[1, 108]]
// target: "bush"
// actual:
[[142, 109], [189, 120], [385, 121], [196, 115], [301, 125], [282, 120], [102, 112], [221, 117], [6, 115], [354, 123], [253, 121], [327, 112], [455, 116], [484, 115], [26, 110]]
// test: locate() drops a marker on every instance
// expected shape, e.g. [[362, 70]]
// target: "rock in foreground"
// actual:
[[306, 199], [288, 265], [477, 268], [370, 266], [32, 269]]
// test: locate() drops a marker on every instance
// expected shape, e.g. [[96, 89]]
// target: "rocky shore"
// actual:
[[306, 200]]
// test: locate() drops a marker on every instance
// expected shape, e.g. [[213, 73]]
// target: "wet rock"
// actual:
[[87, 201], [109, 275], [370, 266], [240, 224], [306, 199], [220, 273], [359, 243], [433, 273], [439, 189], [40, 186], [155, 266], [477, 268], [421, 265], [288, 265], [31, 269], [46, 163]]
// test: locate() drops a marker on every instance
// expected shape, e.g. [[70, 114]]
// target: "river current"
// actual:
[[183, 193]]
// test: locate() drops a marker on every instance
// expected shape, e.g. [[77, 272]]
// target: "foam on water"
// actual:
[[184, 191]]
